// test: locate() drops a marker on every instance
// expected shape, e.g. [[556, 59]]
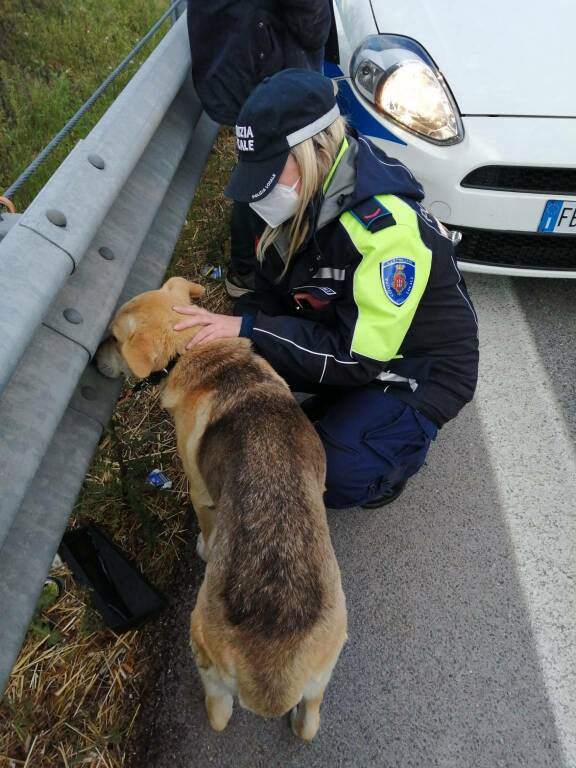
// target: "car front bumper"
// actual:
[[524, 142]]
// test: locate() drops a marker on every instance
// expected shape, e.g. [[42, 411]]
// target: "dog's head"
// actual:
[[142, 336]]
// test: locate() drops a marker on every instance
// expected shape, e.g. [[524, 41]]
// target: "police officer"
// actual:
[[358, 297]]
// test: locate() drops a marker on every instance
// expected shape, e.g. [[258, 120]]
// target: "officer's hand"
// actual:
[[214, 326]]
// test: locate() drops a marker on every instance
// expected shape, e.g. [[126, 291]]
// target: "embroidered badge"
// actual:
[[398, 277], [370, 216], [373, 215]]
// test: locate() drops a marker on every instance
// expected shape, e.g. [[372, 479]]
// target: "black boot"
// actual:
[[385, 498], [238, 283]]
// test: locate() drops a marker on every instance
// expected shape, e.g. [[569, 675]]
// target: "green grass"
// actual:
[[53, 54]]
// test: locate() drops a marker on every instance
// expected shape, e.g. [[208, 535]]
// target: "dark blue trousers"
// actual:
[[373, 441]]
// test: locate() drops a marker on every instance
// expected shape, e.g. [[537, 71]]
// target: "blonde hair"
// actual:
[[315, 157]]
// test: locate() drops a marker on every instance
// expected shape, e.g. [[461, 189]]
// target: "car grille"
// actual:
[[506, 249], [548, 181]]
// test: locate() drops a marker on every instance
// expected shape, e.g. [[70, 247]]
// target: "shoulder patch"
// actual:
[[398, 276], [373, 215]]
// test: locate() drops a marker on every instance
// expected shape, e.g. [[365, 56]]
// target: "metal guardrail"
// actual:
[[102, 230]]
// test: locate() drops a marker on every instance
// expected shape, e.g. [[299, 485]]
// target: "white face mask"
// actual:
[[279, 206]]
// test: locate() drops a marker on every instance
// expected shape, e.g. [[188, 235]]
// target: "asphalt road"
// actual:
[[461, 595]]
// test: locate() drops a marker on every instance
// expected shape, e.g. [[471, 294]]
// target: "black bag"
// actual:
[[118, 591]]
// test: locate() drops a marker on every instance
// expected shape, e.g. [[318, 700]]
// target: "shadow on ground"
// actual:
[[549, 307]]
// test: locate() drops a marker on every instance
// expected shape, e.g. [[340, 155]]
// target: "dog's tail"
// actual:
[[274, 681]]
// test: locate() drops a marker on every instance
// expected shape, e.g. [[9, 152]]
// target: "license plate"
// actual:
[[559, 216]]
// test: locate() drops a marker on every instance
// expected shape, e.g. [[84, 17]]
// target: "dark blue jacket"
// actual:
[[374, 295], [236, 43]]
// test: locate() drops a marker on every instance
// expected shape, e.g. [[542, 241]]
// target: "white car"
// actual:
[[479, 101]]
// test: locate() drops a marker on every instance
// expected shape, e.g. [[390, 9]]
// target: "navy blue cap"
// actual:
[[282, 111]]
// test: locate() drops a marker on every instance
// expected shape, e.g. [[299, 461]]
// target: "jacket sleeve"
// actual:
[[264, 298], [309, 21], [370, 325], [258, 301], [310, 352]]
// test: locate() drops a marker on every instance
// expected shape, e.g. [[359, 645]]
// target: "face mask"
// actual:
[[279, 206]]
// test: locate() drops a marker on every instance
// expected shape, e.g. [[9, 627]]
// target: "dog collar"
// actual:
[[156, 377]]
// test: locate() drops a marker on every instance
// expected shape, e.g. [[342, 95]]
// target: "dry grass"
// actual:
[[61, 707], [73, 696]]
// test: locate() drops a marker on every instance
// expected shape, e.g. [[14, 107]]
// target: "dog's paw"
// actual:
[[219, 711], [304, 724], [201, 548]]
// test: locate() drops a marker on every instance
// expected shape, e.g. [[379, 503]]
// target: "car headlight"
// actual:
[[401, 80]]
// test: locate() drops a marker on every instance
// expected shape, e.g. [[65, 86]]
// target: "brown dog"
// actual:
[[270, 620]]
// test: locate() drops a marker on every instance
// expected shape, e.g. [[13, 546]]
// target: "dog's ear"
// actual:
[[181, 287], [140, 351], [195, 290]]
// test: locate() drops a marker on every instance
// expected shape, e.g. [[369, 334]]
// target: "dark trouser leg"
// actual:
[[373, 442], [245, 226]]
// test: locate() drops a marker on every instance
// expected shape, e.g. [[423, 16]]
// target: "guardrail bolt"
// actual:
[[106, 253], [56, 217], [97, 162], [73, 316], [89, 393]]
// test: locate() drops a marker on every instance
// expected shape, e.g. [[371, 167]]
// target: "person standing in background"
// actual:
[[235, 44]]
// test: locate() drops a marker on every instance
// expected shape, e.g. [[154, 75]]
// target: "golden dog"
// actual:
[[270, 619]]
